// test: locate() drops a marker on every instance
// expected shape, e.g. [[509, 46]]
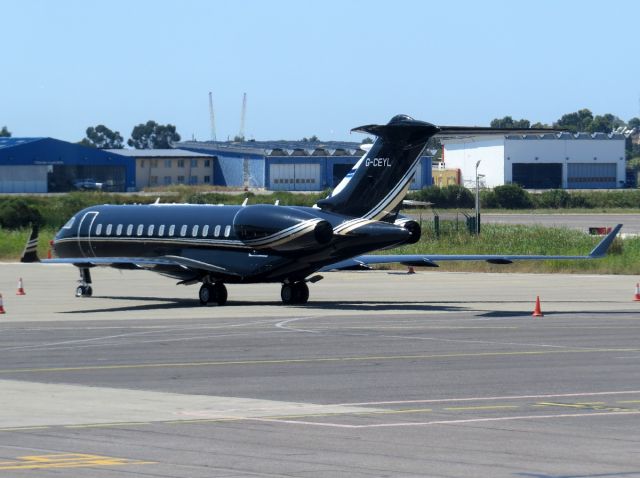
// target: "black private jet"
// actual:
[[215, 244]]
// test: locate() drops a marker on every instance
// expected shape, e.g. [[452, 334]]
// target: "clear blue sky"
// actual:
[[309, 67]]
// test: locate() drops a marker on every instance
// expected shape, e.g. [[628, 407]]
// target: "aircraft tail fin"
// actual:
[[384, 174], [30, 253]]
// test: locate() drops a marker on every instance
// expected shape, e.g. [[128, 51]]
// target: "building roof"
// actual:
[[12, 142], [158, 153], [566, 135], [279, 148]]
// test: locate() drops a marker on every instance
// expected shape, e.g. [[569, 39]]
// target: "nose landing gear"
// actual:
[[84, 289]]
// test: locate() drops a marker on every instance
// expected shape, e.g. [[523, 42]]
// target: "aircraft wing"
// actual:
[[431, 260]]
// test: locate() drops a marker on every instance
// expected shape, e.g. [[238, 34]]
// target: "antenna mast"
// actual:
[[243, 115], [212, 118]]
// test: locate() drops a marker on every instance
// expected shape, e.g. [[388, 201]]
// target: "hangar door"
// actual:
[[591, 175], [416, 182], [537, 175], [295, 177], [23, 179]]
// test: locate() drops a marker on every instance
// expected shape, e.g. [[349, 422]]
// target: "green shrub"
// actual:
[[512, 196], [553, 199], [16, 213]]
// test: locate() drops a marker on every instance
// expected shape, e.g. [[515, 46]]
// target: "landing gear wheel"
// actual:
[[206, 294], [220, 293], [296, 293], [84, 291], [213, 293]]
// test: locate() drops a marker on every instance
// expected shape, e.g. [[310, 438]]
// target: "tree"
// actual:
[[605, 124], [103, 138], [4, 132], [367, 140], [575, 122], [153, 136], [509, 122], [634, 123]]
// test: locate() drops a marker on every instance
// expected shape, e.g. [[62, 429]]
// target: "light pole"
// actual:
[[477, 199]]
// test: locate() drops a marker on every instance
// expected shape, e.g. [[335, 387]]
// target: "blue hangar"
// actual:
[[42, 165], [288, 165]]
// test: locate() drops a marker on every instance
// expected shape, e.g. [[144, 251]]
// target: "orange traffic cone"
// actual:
[[2, 311], [411, 270], [537, 312], [636, 297], [20, 290]]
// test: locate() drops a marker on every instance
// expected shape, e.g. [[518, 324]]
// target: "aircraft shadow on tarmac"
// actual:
[[154, 303], [596, 475]]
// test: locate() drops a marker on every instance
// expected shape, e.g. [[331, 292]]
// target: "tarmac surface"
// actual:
[[381, 374]]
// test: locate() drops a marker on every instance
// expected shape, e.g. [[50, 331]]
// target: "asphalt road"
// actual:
[[381, 374]]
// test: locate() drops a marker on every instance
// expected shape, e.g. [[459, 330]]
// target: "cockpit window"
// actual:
[[69, 223]]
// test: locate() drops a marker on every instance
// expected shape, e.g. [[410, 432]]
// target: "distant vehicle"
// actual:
[[87, 184]]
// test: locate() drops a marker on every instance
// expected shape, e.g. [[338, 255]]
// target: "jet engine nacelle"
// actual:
[[280, 228], [413, 227]]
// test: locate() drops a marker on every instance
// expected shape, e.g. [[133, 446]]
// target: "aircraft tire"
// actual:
[[206, 294], [301, 293], [287, 294], [220, 293], [84, 291]]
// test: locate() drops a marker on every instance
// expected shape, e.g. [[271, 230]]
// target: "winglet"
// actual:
[[603, 246]]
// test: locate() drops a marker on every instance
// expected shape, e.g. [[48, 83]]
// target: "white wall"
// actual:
[[463, 155]]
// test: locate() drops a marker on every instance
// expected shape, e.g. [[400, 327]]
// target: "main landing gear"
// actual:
[[213, 293], [295, 293], [84, 289]]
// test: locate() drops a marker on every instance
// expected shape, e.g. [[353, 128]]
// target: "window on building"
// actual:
[[180, 180], [181, 163], [193, 180], [167, 180], [167, 163], [153, 180], [194, 163], [142, 163], [206, 179], [154, 163], [207, 163]]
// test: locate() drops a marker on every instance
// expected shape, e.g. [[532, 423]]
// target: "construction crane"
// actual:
[[243, 114], [212, 118]]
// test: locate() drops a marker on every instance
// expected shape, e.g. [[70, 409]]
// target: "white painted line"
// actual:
[[478, 399]]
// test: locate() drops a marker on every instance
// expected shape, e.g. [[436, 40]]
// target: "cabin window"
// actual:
[[69, 223], [216, 231], [183, 231], [205, 230], [161, 230], [129, 229], [109, 227], [172, 229], [98, 229], [227, 231], [150, 230], [140, 230], [194, 231], [119, 230]]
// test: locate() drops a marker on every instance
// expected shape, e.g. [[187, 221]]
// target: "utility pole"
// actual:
[[477, 199], [212, 118], [243, 115]]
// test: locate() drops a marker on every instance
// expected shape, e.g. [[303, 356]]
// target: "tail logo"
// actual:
[[378, 162]]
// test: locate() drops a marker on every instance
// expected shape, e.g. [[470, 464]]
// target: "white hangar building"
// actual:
[[548, 161]]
